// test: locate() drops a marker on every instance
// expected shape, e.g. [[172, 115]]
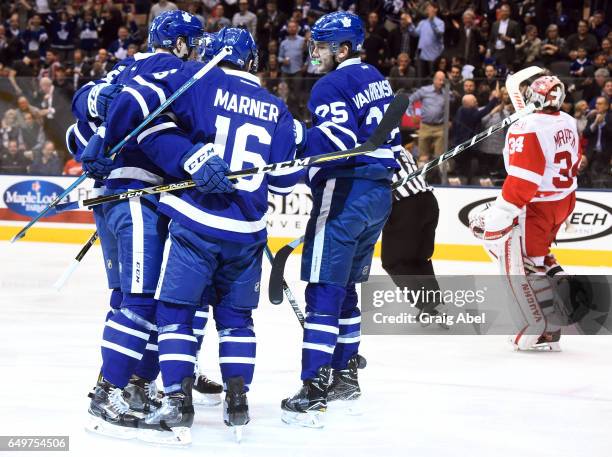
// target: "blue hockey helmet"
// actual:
[[209, 46], [171, 25], [243, 47], [337, 28]]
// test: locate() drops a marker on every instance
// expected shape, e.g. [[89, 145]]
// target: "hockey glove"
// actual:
[[207, 169], [100, 99], [496, 222], [95, 162]]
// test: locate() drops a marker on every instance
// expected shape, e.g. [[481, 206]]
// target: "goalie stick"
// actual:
[[285, 288], [115, 150], [389, 122]]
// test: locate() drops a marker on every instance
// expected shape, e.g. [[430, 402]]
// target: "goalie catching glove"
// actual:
[[494, 223], [207, 169]]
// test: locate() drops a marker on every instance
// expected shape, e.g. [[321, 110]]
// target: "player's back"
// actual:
[[547, 145], [249, 127], [353, 97]]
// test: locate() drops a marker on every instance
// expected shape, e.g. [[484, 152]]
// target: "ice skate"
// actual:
[[206, 392], [142, 396], [547, 342], [344, 389], [110, 414], [236, 407], [171, 423], [306, 408]]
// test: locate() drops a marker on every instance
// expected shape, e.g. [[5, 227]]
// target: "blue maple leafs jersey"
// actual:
[[346, 106], [249, 127], [133, 169]]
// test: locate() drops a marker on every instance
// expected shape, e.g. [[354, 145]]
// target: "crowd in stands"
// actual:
[[452, 55]]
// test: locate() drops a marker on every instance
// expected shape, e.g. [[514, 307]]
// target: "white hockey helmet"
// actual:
[[546, 92]]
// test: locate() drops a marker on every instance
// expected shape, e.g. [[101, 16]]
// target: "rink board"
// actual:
[[585, 239]]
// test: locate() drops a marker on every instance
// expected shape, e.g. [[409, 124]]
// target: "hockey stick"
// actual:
[[513, 85], [389, 122], [277, 281], [115, 150], [285, 287], [75, 263], [467, 144], [276, 277]]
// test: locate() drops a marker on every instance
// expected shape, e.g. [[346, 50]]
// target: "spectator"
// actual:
[[269, 23], [35, 36], [88, 35], [553, 46], [283, 92], [9, 130], [78, 68], [599, 61], [580, 65], [598, 26], [24, 107], [582, 39], [245, 18], [50, 65], [490, 155], [26, 70], [12, 161], [31, 136], [505, 34], [599, 134], [272, 75], [46, 163], [529, 48], [63, 85], [72, 167], [161, 7], [466, 124], [431, 132], [455, 79], [118, 48], [101, 66], [468, 40], [469, 87], [374, 44], [581, 109], [63, 34], [606, 48], [5, 57], [431, 42], [402, 75], [109, 25], [217, 19], [593, 87], [399, 38], [291, 52]]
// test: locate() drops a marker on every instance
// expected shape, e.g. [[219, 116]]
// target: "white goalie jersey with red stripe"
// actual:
[[541, 155]]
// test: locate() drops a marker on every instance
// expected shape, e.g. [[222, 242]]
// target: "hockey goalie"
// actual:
[[541, 156]]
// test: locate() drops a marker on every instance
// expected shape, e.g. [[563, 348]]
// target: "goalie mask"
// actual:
[[548, 92]]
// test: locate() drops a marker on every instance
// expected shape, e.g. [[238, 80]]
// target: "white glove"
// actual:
[[495, 222]]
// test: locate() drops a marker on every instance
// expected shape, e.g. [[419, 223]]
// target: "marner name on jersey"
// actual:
[[245, 105]]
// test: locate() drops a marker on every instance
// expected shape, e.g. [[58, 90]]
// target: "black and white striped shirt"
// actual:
[[414, 186]]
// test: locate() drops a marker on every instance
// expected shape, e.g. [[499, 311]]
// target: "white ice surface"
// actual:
[[423, 395]]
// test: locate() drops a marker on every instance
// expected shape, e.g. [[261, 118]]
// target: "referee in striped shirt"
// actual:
[[409, 234]]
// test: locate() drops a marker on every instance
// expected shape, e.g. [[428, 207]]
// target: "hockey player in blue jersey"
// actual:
[[351, 202], [129, 340], [218, 230]]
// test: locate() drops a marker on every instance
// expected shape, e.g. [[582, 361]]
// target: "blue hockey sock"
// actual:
[[116, 297], [350, 330], [199, 324], [323, 303], [237, 345], [176, 342], [125, 338], [148, 367]]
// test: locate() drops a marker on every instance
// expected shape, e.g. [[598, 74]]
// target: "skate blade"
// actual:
[[347, 407], [310, 419], [206, 400], [178, 437], [99, 426], [237, 431]]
